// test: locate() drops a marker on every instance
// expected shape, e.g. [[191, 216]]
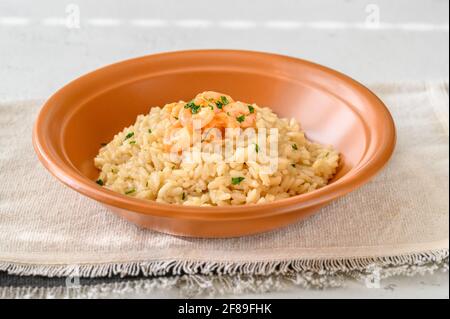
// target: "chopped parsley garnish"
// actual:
[[256, 148], [189, 105], [100, 182], [132, 142], [223, 101], [194, 107], [130, 191], [228, 113], [240, 119], [251, 109], [236, 180], [150, 130], [183, 197], [131, 134], [294, 146]]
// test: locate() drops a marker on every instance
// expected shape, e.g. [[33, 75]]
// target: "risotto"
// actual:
[[214, 151]]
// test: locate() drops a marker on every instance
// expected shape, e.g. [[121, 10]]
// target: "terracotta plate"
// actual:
[[332, 108]]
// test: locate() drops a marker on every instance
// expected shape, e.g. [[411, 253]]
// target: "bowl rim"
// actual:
[[353, 179]]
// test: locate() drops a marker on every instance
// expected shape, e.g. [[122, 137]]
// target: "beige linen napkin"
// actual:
[[398, 221]]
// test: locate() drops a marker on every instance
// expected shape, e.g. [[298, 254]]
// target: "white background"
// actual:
[[39, 54]]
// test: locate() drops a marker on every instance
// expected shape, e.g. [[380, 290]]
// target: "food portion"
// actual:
[[214, 151]]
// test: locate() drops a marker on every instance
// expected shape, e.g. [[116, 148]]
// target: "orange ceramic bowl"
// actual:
[[331, 107]]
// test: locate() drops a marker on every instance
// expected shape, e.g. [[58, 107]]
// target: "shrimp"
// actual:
[[240, 114], [221, 120], [176, 139], [214, 99], [214, 112], [188, 115], [174, 109]]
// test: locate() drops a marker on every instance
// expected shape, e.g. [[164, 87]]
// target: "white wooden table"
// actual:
[[44, 44]]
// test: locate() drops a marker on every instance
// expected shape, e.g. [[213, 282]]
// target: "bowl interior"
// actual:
[[331, 108], [325, 118]]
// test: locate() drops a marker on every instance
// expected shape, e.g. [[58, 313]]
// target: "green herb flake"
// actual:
[[130, 191], [183, 197], [237, 180], [189, 105], [150, 130], [294, 146], [224, 100], [256, 148], [251, 109], [129, 135], [132, 142], [100, 182], [194, 107], [240, 119]]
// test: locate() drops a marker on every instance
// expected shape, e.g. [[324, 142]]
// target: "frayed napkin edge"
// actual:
[[196, 278]]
